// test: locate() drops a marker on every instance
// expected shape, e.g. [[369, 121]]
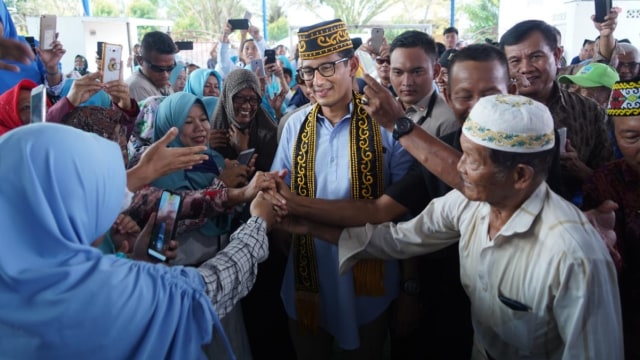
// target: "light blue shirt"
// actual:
[[341, 311]]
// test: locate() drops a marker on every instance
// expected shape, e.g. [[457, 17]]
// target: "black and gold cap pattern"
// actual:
[[322, 39]]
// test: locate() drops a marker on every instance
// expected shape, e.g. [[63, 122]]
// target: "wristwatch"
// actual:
[[411, 287], [402, 127]]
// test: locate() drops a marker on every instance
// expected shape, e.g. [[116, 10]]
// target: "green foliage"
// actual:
[[353, 12], [278, 29], [483, 15], [104, 8], [208, 17], [143, 9]]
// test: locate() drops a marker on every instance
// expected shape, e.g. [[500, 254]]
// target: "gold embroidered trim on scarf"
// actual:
[[366, 169]]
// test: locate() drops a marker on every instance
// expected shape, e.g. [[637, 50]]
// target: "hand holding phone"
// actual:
[[164, 228], [38, 104]]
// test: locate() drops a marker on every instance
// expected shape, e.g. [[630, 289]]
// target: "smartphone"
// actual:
[[47, 31], [562, 141], [184, 45], [377, 38], [239, 24], [111, 59], [245, 156], [258, 67], [164, 227], [38, 104], [269, 56], [99, 49], [603, 7]]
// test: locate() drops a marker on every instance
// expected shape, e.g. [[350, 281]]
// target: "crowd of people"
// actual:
[[464, 201]]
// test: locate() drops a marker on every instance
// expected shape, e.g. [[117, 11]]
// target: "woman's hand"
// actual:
[[234, 175], [239, 138], [142, 244], [124, 233]]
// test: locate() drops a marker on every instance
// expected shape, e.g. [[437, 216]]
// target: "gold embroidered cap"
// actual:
[[323, 39], [625, 99], [510, 123]]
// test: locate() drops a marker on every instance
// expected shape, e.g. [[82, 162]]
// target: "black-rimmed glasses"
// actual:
[[325, 69], [241, 100]]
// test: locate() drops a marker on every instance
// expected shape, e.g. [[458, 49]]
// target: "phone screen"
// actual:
[[38, 104], [165, 225], [269, 56]]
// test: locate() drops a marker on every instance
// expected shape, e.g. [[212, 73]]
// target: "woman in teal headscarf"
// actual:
[[204, 82], [178, 77], [187, 112]]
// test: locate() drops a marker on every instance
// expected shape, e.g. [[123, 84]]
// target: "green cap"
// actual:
[[592, 75]]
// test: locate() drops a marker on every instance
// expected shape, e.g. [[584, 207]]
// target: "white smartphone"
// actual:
[[111, 59], [257, 66], [38, 104], [377, 38], [245, 156], [562, 141], [47, 31]]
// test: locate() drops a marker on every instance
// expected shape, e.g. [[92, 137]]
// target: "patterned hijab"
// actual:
[[236, 81]]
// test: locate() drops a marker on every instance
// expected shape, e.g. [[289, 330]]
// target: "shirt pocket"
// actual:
[[517, 325]]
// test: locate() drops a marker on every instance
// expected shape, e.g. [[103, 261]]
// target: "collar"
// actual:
[[421, 106], [346, 117], [163, 90], [522, 220]]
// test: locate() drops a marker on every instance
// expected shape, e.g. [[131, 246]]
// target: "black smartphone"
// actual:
[[603, 7], [184, 45], [99, 49], [239, 24], [245, 156], [164, 227], [269, 56]]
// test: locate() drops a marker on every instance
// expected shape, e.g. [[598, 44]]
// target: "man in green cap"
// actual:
[[594, 81]]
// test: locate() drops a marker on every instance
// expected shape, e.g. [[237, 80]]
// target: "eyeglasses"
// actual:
[[628, 65], [158, 68], [326, 69], [241, 100], [381, 61]]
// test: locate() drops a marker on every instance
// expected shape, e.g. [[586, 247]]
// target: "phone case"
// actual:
[[47, 31], [38, 104], [239, 24], [245, 157], [602, 9], [258, 67], [377, 35], [111, 58], [269, 56]]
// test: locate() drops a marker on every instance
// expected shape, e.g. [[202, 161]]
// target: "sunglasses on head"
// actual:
[[159, 69], [381, 61]]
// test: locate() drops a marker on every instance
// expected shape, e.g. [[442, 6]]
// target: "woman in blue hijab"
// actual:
[[62, 298], [178, 77], [187, 112], [204, 82]]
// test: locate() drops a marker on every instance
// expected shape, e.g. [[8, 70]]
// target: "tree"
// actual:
[[206, 16], [104, 8], [352, 12], [278, 29], [483, 15]]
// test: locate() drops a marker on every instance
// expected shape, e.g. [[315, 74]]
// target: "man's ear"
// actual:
[[522, 175], [354, 65]]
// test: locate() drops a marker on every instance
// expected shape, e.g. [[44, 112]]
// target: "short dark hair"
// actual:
[[158, 42], [480, 53], [522, 30], [587, 42], [286, 70], [450, 30], [539, 161], [414, 38]]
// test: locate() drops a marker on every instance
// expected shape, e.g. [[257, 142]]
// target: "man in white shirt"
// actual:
[[541, 282]]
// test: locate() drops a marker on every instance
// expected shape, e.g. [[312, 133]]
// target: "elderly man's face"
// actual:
[[481, 179], [534, 64], [628, 66], [627, 131]]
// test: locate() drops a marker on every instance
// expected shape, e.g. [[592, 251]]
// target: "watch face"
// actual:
[[402, 126]]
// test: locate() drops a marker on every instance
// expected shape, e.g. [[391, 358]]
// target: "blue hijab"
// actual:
[[180, 67], [61, 297], [33, 71], [172, 112], [210, 103], [197, 79]]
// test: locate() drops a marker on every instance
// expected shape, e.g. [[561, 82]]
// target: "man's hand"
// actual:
[[84, 87], [262, 207], [382, 106], [603, 219], [610, 23], [572, 164], [159, 160], [15, 51]]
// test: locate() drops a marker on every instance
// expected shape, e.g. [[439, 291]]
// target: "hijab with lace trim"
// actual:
[[62, 298]]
